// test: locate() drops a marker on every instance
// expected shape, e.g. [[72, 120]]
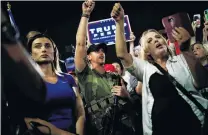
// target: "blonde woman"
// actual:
[[166, 110], [201, 53]]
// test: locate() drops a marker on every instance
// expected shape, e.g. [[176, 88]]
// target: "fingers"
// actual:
[[179, 30], [132, 37], [84, 4], [117, 12], [180, 34], [116, 92], [194, 25], [117, 6], [28, 120], [88, 6], [116, 89], [91, 4], [132, 34], [176, 35]]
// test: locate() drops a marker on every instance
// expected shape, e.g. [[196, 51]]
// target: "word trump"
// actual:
[[104, 31]]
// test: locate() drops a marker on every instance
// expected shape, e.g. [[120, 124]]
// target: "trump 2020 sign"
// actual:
[[103, 31]]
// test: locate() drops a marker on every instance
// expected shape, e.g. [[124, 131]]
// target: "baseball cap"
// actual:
[[94, 48]]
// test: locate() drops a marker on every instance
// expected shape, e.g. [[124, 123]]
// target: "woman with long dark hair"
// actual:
[[63, 104]]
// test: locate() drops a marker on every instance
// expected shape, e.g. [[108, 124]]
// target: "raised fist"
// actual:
[[117, 12], [88, 6]]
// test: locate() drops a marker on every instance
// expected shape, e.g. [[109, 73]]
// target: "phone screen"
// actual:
[[171, 20], [206, 14], [197, 20]]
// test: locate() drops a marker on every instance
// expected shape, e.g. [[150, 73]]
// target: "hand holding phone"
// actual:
[[206, 15], [205, 30], [197, 20], [177, 20], [181, 35]]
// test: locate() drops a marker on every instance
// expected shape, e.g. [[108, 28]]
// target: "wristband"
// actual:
[[85, 15]]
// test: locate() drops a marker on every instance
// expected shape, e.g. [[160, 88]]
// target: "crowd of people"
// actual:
[[154, 89]]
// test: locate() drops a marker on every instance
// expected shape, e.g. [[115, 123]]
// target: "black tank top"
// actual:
[[171, 114]]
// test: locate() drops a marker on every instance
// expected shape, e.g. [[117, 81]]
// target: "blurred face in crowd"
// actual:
[[155, 45], [42, 50], [137, 51], [97, 57], [199, 51], [118, 68]]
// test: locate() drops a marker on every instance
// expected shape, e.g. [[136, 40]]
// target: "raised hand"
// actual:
[[181, 35], [132, 37], [205, 29], [117, 12], [88, 6], [194, 25]]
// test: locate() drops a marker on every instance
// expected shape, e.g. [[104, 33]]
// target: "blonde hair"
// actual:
[[145, 48], [31, 36]]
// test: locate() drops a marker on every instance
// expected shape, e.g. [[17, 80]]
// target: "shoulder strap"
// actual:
[[182, 89]]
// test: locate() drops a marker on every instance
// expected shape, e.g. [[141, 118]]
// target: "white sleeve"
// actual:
[[137, 68]]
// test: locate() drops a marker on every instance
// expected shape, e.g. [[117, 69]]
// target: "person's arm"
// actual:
[[205, 33], [193, 39], [138, 88], [134, 66], [131, 43], [81, 50], [80, 114], [199, 73], [121, 48]]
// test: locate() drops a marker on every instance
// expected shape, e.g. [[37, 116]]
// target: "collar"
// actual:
[[99, 74], [172, 59]]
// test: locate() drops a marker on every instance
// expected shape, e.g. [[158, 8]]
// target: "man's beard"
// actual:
[[43, 62], [102, 63]]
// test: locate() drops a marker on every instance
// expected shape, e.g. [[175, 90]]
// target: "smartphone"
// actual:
[[197, 20], [177, 20], [206, 14]]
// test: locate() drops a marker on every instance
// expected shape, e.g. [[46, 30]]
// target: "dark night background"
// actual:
[[61, 19]]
